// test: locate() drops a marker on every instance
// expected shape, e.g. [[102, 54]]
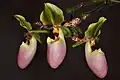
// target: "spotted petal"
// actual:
[[26, 53], [56, 50], [96, 61]]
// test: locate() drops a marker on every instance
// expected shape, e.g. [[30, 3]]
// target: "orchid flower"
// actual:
[[56, 49], [52, 17], [26, 53], [96, 60], [28, 49]]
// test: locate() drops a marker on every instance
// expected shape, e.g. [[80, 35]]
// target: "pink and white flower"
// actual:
[[56, 50], [26, 53], [96, 60]]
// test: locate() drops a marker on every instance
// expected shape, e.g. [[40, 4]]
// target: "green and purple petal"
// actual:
[[56, 50], [26, 53], [96, 61]]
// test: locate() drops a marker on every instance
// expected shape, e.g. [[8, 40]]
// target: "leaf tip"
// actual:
[[102, 19]]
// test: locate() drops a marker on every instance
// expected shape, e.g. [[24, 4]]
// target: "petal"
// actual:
[[96, 61], [56, 51], [26, 53]]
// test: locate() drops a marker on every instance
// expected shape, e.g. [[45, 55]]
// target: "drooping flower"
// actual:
[[96, 60], [26, 52], [56, 49]]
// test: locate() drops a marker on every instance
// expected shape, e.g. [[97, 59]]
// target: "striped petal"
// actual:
[[96, 61], [56, 50], [26, 53]]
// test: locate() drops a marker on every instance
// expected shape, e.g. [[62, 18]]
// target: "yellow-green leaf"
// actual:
[[23, 22], [77, 44], [39, 31], [37, 37], [94, 28], [66, 31], [52, 15]]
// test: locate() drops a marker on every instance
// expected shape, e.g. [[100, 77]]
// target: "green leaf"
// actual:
[[115, 1], [97, 39], [97, 1], [66, 31], [76, 30], [37, 37], [45, 18], [98, 34], [69, 31], [79, 30], [52, 15], [77, 44], [39, 31], [23, 22], [94, 28]]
